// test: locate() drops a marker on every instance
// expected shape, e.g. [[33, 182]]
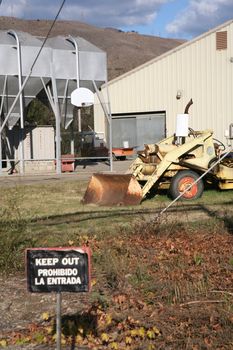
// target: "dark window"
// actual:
[[221, 40]]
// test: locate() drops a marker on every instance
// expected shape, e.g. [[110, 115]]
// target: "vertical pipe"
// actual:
[[58, 124], [79, 120], [73, 40], [0, 149], [1, 109], [110, 129], [108, 115], [72, 140], [77, 58], [21, 134]]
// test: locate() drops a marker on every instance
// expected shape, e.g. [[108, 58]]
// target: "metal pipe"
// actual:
[[49, 95], [74, 42], [53, 159], [1, 109], [110, 129], [19, 59], [101, 101], [9, 95], [14, 102], [108, 115], [64, 97], [0, 150], [3, 94], [58, 124]]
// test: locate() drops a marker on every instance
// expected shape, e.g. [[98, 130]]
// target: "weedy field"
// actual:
[[158, 282]]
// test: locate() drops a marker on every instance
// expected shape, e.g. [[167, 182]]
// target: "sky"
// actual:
[[167, 18]]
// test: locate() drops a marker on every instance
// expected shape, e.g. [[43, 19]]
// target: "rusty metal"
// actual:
[[111, 189]]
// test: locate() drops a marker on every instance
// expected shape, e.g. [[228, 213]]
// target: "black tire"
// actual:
[[181, 181]]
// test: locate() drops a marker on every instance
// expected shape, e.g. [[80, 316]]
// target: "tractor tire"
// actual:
[[181, 181]]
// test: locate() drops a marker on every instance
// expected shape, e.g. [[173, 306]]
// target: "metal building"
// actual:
[[146, 100], [26, 68]]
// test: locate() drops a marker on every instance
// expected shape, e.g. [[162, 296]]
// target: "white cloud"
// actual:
[[97, 12], [200, 16], [197, 17], [112, 13]]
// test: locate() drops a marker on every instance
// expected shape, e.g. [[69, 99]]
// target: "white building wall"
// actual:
[[39, 143], [196, 69]]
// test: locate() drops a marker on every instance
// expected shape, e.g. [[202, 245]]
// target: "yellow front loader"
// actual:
[[172, 163]]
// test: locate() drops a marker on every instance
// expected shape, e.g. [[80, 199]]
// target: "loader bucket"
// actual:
[[110, 189]]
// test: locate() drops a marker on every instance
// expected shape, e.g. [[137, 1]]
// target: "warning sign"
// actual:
[[58, 269]]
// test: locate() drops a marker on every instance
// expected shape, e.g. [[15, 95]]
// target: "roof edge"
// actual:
[[168, 53]]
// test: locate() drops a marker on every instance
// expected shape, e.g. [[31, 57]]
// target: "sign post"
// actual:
[[58, 321], [58, 270]]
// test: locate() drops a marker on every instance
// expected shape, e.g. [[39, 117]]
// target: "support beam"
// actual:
[[21, 104], [74, 42], [1, 110], [107, 111], [58, 124]]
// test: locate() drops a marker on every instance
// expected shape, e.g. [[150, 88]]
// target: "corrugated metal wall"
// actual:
[[197, 70]]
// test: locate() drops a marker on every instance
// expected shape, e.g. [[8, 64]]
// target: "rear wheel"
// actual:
[[181, 181]]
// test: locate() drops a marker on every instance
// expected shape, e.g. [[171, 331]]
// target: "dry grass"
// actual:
[[175, 272]]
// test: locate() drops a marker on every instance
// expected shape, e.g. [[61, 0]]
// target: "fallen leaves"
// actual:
[[3, 343], [45, 316], [176, 307], [111, 333]]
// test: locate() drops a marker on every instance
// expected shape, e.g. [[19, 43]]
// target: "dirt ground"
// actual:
[[20, 309], [186, 294], [82, 172]]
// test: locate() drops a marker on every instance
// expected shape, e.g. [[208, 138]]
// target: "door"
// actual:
[[150, 129], [138, 129], [124, 129]]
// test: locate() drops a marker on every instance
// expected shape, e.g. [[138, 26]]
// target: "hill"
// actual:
[[125, 50]]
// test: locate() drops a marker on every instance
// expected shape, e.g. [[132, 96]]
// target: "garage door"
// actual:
[[138, 129]]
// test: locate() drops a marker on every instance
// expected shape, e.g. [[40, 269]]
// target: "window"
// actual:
[[221, 40]]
